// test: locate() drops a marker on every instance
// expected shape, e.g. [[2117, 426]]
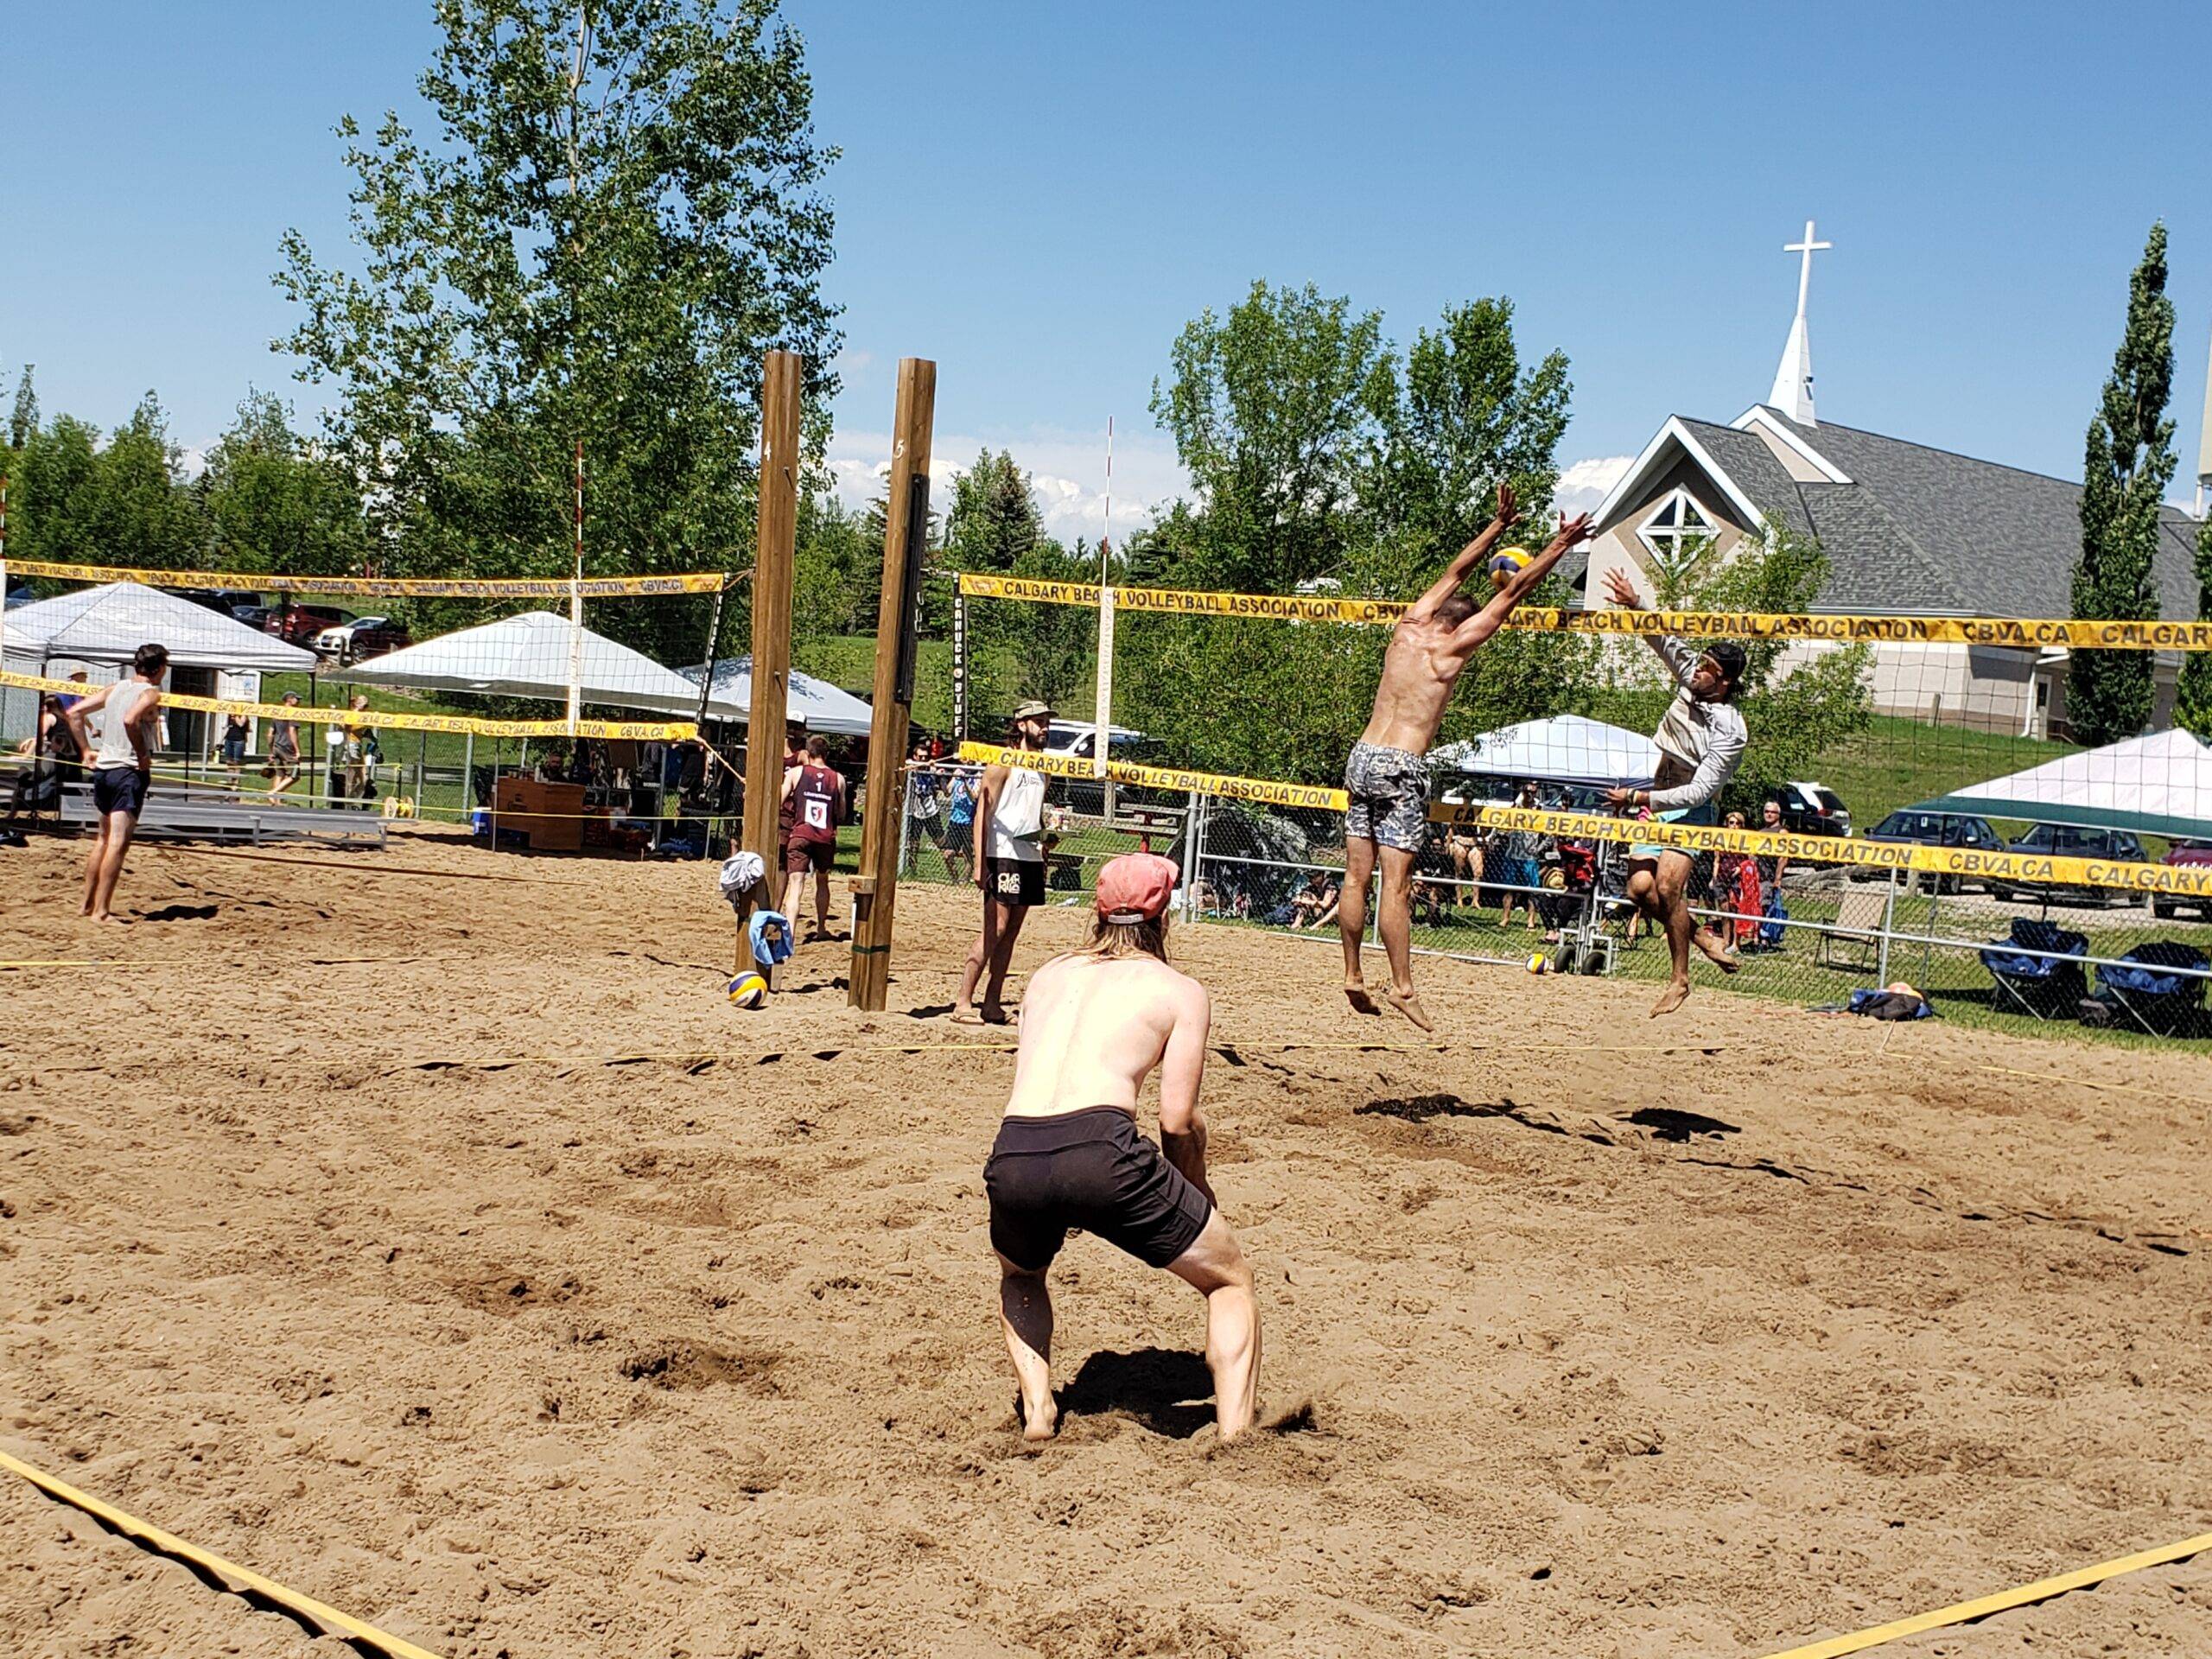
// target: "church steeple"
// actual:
[[1793, 376]]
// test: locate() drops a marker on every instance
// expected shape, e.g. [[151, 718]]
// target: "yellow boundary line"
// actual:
[[1962, 1613], [835, 1051], [2022, 631], [326, 1617]]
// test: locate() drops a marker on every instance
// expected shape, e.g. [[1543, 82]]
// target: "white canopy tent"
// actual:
[[820, 704], [2161, 784], [530, 656], [108, 624], [1564, 749]]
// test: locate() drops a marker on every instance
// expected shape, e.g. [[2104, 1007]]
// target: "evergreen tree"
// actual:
[[2124, 478], [2193, 698], [23, 423], [54, 505]]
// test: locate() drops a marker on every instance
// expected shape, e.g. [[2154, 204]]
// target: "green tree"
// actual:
[[2192, 697], [1273, 410], [24, 422], [272, 504], [993, 522], [142, 513], [53, 508], [618, 214], [1466, 418], [2124, 479]]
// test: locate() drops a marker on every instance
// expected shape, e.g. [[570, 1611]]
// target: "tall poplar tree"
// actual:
[[2193, 698], [2124, 479]]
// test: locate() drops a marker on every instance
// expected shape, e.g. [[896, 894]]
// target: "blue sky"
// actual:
[[1038, 195]]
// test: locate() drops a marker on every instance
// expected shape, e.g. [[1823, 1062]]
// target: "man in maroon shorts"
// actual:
[[815, 791]]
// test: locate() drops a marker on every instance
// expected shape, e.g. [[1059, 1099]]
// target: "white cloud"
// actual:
[[1583, 484], [1067, 473]]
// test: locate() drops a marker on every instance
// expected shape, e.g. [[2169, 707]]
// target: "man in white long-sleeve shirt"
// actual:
[[1702, 741]]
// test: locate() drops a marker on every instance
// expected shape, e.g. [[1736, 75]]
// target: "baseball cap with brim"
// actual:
[[1135, 888], [1034, 709]]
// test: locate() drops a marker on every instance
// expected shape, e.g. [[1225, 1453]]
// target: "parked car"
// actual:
[[1811, 809], [224, 601], [361, 638], [298, 624], [1933, 829], [2072, 841], [2189, 853], [254, 616]]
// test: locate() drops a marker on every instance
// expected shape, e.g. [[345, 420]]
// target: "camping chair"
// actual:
[[2035, 970], [1854, 942], [2144, 985]]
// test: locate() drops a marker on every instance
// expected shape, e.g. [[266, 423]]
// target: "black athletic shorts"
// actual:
[[1090, 1170], [118, 789], [1014, 880]]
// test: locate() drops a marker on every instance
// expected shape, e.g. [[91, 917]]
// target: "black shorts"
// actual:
[[118, 789], [1090, 1170], [1014, 880]]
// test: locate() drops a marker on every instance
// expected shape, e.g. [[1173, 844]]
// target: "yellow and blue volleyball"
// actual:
[[748, 990], [1540, 963], [1507, 563]]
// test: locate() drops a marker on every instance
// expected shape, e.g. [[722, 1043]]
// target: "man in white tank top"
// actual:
[[122, 765], [1009, 866]]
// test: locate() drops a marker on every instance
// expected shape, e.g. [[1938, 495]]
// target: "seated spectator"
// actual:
[[1315, 905]]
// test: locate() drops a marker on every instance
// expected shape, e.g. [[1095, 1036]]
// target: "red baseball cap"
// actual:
[[1135, 888]]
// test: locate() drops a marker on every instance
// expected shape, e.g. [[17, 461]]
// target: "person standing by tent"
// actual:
[[1701, 742], [1009, 828], [122, 767], [284, 751], [1387, 773]]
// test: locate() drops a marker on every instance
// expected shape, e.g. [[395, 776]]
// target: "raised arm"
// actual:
[[1182, 1129], [1681, 660], [1470, 557], [1487, 621]]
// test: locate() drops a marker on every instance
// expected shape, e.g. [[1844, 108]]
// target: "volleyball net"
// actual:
[[407, 696], [1916, 802]]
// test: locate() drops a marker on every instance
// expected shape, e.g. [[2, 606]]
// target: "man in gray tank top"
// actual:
[[122, 765]]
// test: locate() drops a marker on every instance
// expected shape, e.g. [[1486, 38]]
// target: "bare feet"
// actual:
[[1716, 950], [1038, 1422], [1673, 997], [1362, 1000], [1409, 1005]]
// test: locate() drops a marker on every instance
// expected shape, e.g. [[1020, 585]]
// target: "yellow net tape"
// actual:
[[703, 581], [2025, 632], [666, 731], [1689, 838]]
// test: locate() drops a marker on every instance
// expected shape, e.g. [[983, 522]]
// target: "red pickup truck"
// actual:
[[2197, 854]]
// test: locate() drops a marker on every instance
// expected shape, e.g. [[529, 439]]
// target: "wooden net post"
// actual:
[[774, 541], [906, 522]]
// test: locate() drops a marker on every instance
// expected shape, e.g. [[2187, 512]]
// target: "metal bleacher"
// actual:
[[199, 814]]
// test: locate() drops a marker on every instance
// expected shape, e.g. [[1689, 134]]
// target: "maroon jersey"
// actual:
[[814, 801]]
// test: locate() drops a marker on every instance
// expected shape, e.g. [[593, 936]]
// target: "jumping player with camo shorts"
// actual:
[[1387, 776]]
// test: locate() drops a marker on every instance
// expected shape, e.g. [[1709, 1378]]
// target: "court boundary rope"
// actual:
[[2059, 869], [144, 1534], [1966, 1612], [1840, 628]]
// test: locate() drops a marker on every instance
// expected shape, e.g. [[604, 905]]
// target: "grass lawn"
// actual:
[[1898, 762]]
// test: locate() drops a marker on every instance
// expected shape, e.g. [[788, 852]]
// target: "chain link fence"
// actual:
[[2003, 954]]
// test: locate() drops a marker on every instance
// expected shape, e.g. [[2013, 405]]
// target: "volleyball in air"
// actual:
[[748, 990], [1507, 563]]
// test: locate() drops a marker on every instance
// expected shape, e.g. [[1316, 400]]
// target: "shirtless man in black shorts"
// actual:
[[1094, 1024], [1387, 775]]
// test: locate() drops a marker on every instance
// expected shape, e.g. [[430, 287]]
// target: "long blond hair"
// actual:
[[1148, 938]]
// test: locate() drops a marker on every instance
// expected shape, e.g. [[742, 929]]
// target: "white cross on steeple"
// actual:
[[1793, 376]]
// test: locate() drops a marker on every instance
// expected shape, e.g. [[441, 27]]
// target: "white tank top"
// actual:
[[116, 750], [1018, 816]]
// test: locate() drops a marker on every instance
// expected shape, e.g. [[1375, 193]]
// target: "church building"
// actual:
[[1908, 529]]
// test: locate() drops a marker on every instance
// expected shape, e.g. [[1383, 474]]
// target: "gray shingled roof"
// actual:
[[1920, 530]]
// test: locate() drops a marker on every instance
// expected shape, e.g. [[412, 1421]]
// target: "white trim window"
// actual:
[[1676, 529]]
